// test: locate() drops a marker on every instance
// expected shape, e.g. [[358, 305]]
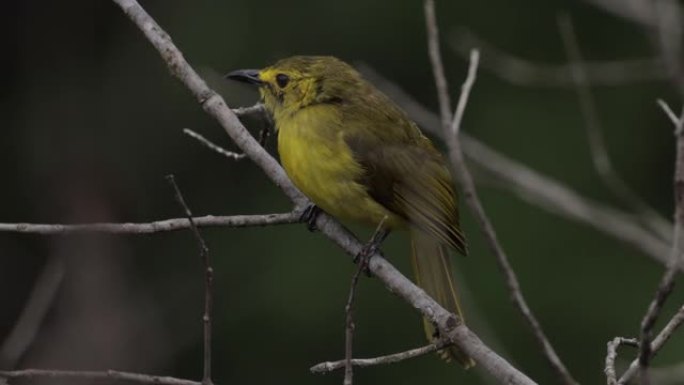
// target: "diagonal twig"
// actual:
[[33, 314], [470, 192], [597, 146], [208, 281]]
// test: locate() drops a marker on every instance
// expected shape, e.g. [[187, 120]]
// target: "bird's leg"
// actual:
[[370, 248], [309, 215]]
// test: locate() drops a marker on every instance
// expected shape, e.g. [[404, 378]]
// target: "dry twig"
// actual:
[[667, 281], [656, 344], [470, 193], [329, 366], [208, 282], [611, 355], [362, 262], [153, 227]]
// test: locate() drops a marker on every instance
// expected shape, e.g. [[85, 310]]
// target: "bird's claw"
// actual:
[[309, 215]]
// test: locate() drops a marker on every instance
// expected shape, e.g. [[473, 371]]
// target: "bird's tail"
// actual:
[[432, 268]]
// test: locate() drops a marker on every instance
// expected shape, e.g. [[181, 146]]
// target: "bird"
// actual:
[[359, 157]]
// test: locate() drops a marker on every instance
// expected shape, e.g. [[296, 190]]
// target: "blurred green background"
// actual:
[[92, 122]]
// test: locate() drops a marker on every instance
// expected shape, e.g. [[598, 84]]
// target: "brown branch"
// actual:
[[208, 281], [527, 73], [92, 375], [330, 366], [667, 281], [656, 345], [153, 227], [597, 146], [472, 199], [214, 105], [611, 355], [534, 188]]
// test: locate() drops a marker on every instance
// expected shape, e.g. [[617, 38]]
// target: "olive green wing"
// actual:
[[409, 178]]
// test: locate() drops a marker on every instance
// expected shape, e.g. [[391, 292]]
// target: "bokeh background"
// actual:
[[92, 122]]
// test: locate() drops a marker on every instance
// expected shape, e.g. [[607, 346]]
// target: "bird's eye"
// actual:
[[282, 80]]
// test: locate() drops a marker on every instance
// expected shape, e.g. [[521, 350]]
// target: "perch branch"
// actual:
[[470, 192]]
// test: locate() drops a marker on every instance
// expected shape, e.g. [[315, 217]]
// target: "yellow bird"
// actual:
[[359, 157]]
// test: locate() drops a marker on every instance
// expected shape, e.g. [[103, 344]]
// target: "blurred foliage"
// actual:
[[88, 105]]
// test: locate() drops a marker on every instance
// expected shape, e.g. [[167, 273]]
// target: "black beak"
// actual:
[[245, 76]]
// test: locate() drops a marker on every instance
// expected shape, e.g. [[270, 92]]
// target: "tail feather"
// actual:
[[432, 268]]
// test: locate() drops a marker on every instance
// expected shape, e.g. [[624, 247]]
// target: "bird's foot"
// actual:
[[369, 249], [309, 216]]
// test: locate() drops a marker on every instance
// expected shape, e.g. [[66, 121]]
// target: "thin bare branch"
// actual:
[[208, 282], [362, 262], [656, 345], [263, 136], [527, 73], [214, 147], [99, 376], [329, 366], [611, 355], [599, 153], [465, 92], [468, 186], [153, 227], [214, 105], [534, 188], [667, 281], [28, 324], [437, 64], [257, 109]]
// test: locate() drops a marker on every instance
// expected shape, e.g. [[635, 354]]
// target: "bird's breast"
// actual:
[[319, 162]]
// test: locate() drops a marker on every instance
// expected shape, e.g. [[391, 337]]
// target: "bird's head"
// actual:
[[302, 81]]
